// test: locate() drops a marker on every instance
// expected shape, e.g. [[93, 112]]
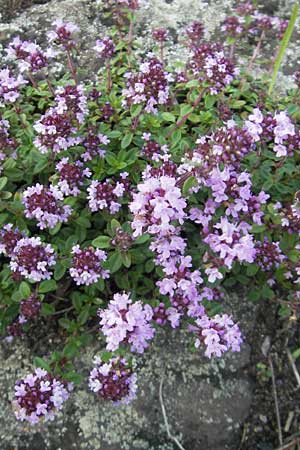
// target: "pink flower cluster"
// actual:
[[210, 64], [55, 132], [87, 265], [9, 237], [63, 34], [157, 203], [107, 194], [93, 143], [30, 57], [71, 99], [218, 333], [30, 308], [32, 259], [150, 86], [105, 48], [10, 86], [71, 176], [125, 321], [113, 380], [44, 205], [39, 396], [268, 255]]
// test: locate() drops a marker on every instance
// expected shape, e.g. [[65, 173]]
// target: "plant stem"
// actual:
[[256, 50], [71, 66], [108, 79]]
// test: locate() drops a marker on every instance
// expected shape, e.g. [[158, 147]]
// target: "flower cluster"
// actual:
[[233, 26], [113, 380], [105, 48], [150, 86], [10, 86], [39, 396], [195, 32], [107, 194], [55, 132], [210, 64], [268, 255], [93, 143], [9, 237], [160, 34], [8, 144], [219, 334], [44, 205], [71, 176], [71, 99], [157, 203], [63, 34], [31, 307], [30, 57], [126, 321], [87, 265], [32, 259]]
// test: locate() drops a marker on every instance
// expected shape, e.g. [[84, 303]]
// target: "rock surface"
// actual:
[[206, 400]]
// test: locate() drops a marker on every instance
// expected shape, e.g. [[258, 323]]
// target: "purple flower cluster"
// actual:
[[31, 307], [8, 144], [10, 86], [9, 237], [278, 129], [93, 143], [55, 132], [30, 57], [63, 34], [152, 151], [210, 64], [195, 32], [234, 26], [218, 333], [107, 194], [268, 255], [87, 265], [128, 322], [39, 396], [105, 48], [44, 205], [157, 203], [71, 176], [160, 34], [150, 86], [232, 242], [113, 380], [71, 99], [32, 259]]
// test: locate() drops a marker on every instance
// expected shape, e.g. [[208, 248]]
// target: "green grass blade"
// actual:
[[284, 43]]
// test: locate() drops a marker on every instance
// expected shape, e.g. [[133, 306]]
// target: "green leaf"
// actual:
[[192, 83], [24, 289], [135, 110], [283, 46], [47, 309], [142, 239], [209, 101], [70, 350], [3, 182], [102, 242], [185, 109], [47, 286], [188, 184], [114, 262], [168, 117], [74, 377], [126, 141], [40, 362], [126, 259], [84, 315], [59, 271], [114, 224], [252, 269]]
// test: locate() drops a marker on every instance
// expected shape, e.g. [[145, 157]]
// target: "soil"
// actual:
[[261, 431]]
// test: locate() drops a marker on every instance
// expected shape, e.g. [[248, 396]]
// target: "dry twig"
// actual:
[[276, 403], [293, 365], [164, 413]]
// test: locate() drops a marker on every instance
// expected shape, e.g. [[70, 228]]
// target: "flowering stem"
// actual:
[[108, 80], [49, 85], [32, 80], [71, 66], [256, 50], [232, 48]]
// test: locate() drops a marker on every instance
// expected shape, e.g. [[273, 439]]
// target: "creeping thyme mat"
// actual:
[[134, 201]]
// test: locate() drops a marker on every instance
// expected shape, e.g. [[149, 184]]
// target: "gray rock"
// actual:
[[206, 400]]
